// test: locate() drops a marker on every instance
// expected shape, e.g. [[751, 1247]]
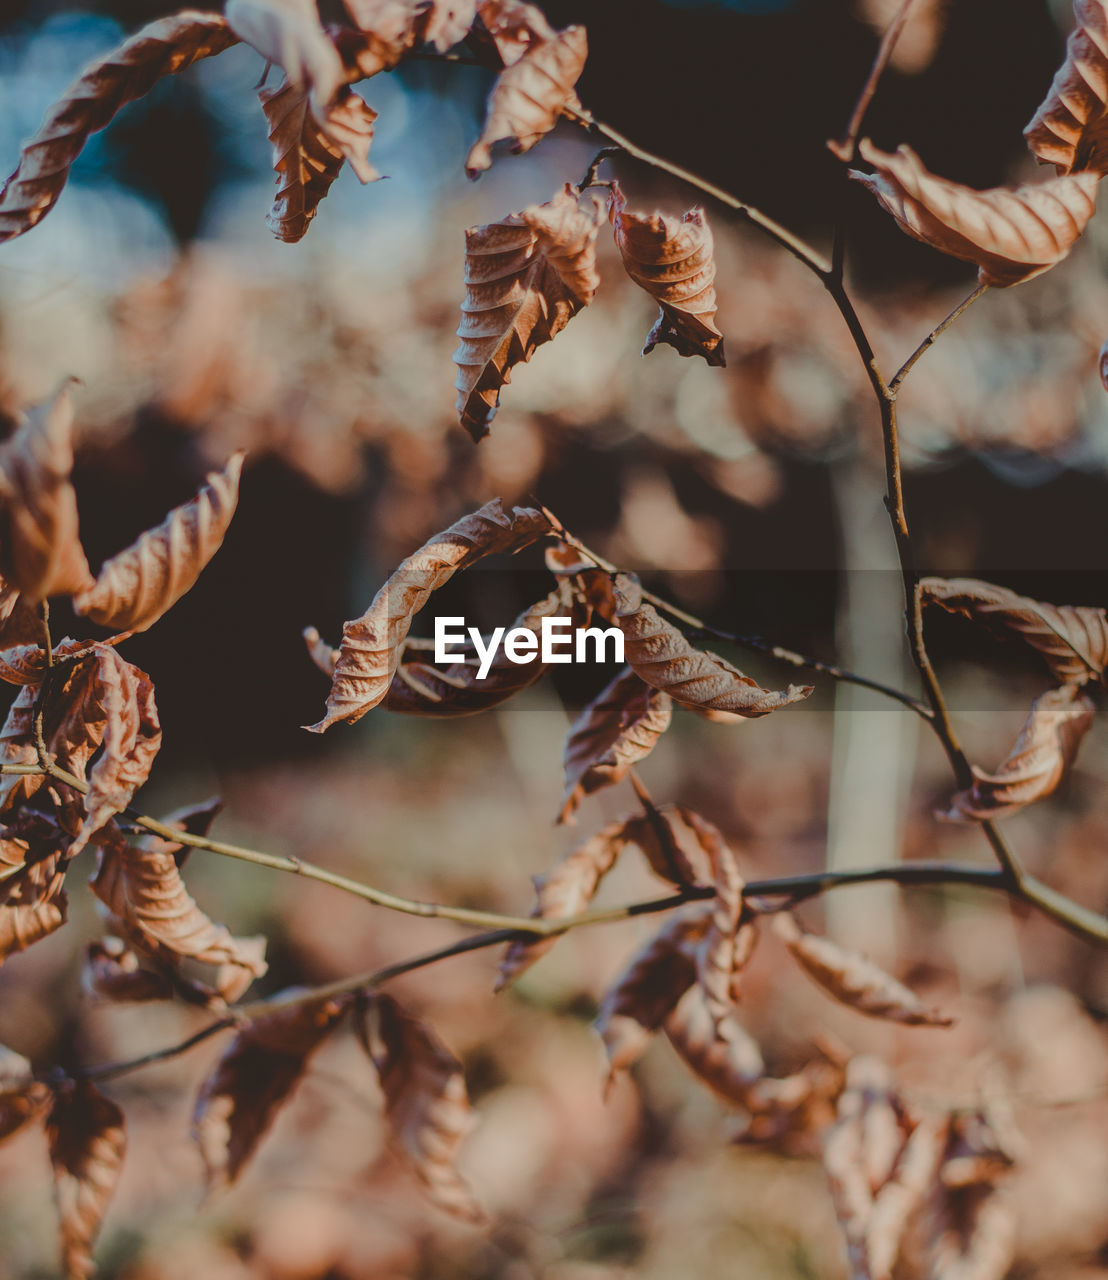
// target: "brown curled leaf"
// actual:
[[112, 972], [289, 34], [1071, 639], [420, 688], [137, 586], [425, 1101], [853, 980], [23, 664], [21, 926], [1009, 233], [614, 732], [662, 657], [731, 939], [512, 27], [648, 990], [87, 1143], [40, 549], [529, 96], [152, 910], [718, 1050], [253, 1079], [526, 277], [401, 24], [20, 1101], [1070, 128], [1035, 767], [901, 1196], [370, 649], [675, 263], [159, 49], [19, 621], [566, 890]]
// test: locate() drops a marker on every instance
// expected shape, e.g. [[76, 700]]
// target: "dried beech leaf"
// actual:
[[853, 980], [670, 843], [648, 990], [729, 942], [445, 23], [254, 1078], [87, 1143], [137, 586], [420, 688], [719, 1051], [401, 24], [112, 972], [1036, 765], [19, 1106], [662, 657], [906, 1190], [565, 890], [131, 737], [370, 649], [513, 27], [1070, 128], [143, 889], [791, 1113], [1072, 640], [42, 553], [1009, 234], [529, 95], [19, 621], [526, 277], [162, 48], [615, 731], [425, 1101], [289, 33], [24, 664], [17, 747], [23, 926], [675, 263]]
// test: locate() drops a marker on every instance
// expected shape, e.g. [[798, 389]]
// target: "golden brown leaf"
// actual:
[[42, 554], [853, 980], [662, 657], [1009, 233], [24, 664], [17, 747], [675, 263], [19, 621], [22, 926], [529, 95], [1072, 640], [289, 34], [253, 1079], [1037, 764], [370, 649], [112, 972], [901, 1196], [425, 1101], [153, 911], [419, 688], [513, 27], [33, 856], [445, 23], [729, 942], [718, 1050], [791, 1113], [648, 990], [162, 48], [526, 277], [22, 1099], [87, 1143], [566, 890], [401, 24], [615, 731], [137, 586], [1070, 128]]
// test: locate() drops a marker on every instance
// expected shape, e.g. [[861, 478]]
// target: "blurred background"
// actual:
[[752, 495]]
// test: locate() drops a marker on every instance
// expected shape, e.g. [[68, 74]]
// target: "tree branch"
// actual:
[[906, 367]]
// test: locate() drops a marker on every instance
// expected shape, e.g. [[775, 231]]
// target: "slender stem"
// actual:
[[906, 367], [48, 643], [798, 248]]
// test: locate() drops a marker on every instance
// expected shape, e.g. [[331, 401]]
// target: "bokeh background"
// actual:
[[751, 495]]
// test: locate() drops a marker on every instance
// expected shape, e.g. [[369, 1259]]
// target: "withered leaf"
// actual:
[[526, 277], [718, 1050], [33, 859], [17, 747], [289, 33], [1070, 128], [425, 1101], [159, 49], [420, 688], [87, 1143], [662, 657], [853, 980], [254, 1078], [1072, 640], [675, 263], [401, 24], [565, 890], [137, 586], [112, 972], [529, 95], [445, 23], [41, 550], [729, 941], [151, 908], [648, 990], [1036, 765], [23, 664], [898, 1199], [22, 1099], [616, 730], [370, 649], [513, 27], [1009, 233], [19, 621], [21, 926]]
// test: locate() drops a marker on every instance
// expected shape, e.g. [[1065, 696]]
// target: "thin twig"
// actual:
[[906, 367], [591, 178], [48, 643]]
